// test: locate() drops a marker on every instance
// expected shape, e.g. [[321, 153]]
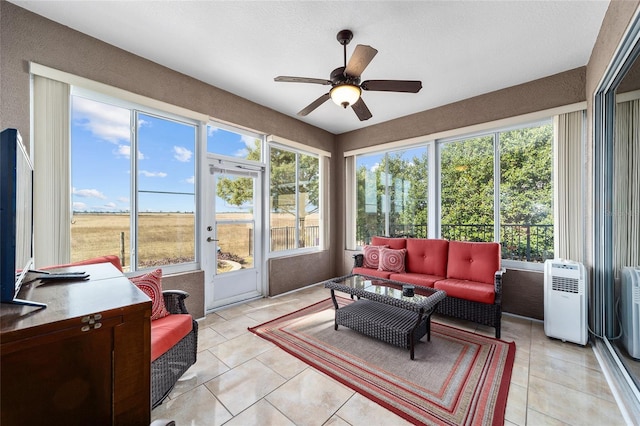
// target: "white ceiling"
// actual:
[[458, 49]]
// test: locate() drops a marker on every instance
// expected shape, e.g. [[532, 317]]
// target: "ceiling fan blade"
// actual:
[[361, 57], [410, 86], [288, 79], [315, 104], [361, 110]]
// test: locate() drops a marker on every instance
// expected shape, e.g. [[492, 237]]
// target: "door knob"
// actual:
[[210, 240]]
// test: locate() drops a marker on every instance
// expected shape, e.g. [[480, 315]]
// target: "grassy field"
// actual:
[[164, 238]]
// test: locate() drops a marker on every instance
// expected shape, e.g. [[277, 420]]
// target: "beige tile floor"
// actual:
[[241, 379]]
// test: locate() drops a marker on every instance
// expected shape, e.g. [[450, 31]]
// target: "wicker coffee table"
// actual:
[[383, 312]]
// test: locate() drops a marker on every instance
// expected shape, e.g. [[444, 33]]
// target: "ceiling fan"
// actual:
[[346, 87]]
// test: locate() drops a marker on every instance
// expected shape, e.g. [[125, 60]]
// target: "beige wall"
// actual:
[[26, 37]]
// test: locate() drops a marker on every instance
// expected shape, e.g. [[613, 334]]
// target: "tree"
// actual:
[[299, 202]]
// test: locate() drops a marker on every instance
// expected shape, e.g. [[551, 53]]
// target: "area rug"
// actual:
[[458, 378]]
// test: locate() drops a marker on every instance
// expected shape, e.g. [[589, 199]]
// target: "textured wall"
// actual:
[[549, 92], [523, 293], [292, 272], [25, 36], [192, 283]]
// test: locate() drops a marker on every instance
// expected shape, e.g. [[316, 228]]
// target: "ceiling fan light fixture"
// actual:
[[345, 95]]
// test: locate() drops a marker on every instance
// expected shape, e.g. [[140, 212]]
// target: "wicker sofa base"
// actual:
[[384, 322], [170, 366], [482, 313]]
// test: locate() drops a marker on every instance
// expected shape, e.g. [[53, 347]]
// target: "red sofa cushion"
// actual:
[[473, 261], [468, 290], [393, 243], [115, 260], [372, 272], [417, 279], [427, 256], [167, 331]]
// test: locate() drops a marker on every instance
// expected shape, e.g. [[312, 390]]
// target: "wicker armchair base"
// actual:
[[482, 313], [170, 366], [384, 322]]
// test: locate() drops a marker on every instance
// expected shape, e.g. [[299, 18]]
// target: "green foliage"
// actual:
[[283, 182], [466, 190]]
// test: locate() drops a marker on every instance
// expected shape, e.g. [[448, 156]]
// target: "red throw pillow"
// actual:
[[371, 256], [392, 260], [151, 285]]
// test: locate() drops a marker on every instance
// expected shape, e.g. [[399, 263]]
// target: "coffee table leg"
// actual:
[[335, 305]]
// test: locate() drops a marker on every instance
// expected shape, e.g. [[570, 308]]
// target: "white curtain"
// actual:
[[568, 172], [51, 152], [626, 186]]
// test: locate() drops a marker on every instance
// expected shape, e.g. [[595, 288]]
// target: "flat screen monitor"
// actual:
[[16, 216]]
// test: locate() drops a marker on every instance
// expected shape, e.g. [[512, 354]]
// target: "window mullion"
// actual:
[[133, 155], [386, 201], [496, 187], [297, 201]]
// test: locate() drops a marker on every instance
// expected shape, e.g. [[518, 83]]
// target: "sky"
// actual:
[[101, 159]]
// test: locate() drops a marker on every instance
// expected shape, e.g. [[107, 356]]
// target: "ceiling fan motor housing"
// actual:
[[339, 77]]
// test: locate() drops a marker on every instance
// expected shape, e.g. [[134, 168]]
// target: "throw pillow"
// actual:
[[151, 285], [371, 255], [392, 260]]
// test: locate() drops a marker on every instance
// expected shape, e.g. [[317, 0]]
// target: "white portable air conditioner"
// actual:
[[565, 301], [630, 310]]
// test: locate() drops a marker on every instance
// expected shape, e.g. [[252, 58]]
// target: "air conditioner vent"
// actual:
[[564, 284]]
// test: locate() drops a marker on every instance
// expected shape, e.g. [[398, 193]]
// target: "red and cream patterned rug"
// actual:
[[458, 378]]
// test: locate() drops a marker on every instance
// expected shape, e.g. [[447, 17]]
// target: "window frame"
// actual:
[[135, 109], [433, 145], [273, 143]]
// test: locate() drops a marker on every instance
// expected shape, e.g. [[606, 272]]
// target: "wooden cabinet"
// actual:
[[83, 360]]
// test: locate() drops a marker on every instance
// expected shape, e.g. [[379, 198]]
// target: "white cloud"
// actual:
[[182, 154], [125, 151], [104, 121], [110, 206], [211, 130], [152, 174], [191, 180], [375, 167], [89, 193], [249, 141], [77, 206], [241, 153], [123, 200]]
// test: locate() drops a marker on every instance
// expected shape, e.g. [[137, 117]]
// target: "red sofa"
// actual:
[[173, 338], [469, 272]]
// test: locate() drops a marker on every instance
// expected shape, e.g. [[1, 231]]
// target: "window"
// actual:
[[493, 187], [233, 142], [466, 200], [392, 193], [526, 193], [133, 185], [294, 191]]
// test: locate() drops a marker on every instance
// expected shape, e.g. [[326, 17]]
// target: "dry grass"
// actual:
[[164, 238]]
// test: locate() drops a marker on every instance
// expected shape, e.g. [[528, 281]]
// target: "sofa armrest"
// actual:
[[174, 301], [358, 260]]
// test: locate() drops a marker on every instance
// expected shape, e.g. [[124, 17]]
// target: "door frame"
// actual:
[[208, 249]]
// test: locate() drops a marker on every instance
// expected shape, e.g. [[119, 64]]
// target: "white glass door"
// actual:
[[233, 234]]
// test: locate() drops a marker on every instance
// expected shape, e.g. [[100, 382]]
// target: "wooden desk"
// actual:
[[83, 360]]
